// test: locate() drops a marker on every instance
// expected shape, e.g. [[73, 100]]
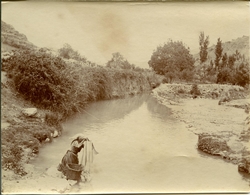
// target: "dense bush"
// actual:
[[50, 83], [235, 76], [181, 91], [171, 57], [67, 52], [154, 79], [118, 61], [41, 78], [195, 90]]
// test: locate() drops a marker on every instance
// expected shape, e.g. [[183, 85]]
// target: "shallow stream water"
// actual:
[[142, 148]]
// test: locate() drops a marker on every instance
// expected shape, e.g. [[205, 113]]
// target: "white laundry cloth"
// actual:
[[88, 155]]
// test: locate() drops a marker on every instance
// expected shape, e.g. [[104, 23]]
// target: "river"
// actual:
[[142, 148]]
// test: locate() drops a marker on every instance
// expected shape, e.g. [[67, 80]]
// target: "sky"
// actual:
[[96, 30]]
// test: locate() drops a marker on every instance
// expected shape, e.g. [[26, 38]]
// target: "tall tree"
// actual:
[[218, 53], [224, 60], [118, 61], [242, 75], [237, 55], [69, 53], [204, 42], [231, 60], [171, 59]]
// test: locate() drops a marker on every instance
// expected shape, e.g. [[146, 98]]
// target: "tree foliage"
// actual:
[[224, 60], [118, 61], [218, 53], [204, 42], [234, 69], [171, 59], [242, 76], [67, 52], [50, 83], [40, 77]]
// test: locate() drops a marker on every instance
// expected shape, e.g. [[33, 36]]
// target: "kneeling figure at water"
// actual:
[[69, 165]]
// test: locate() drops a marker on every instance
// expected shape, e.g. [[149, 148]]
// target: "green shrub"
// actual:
[[181, 91], [154, 79], [165, 80], [46, 80], [195, 90], [51, 118]]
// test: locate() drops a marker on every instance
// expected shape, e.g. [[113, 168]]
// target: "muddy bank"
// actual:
[[35, 182], [223, 130]]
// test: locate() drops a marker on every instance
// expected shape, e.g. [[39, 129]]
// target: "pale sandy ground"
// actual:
[[50, 182], [205, 116]]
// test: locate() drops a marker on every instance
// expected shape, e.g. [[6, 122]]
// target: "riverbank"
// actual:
[[26, 126], [41, 90], [157, 164], [222, 128]]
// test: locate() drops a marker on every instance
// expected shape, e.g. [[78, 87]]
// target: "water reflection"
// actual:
[[143, 149], [103, 111], [158, 110]]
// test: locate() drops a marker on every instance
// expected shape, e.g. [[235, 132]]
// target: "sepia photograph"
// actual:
[[125, 97]]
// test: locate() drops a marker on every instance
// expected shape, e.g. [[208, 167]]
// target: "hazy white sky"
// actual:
[[96, 30]]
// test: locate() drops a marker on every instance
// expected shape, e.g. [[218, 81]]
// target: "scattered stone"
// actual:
[[245, 134], [214, 91], [29, 112], [55, 134], [212, 144], [172, 102], [220, 128], [223, 100], [240, 103], [4, 125], [235, 146], [244, 165]]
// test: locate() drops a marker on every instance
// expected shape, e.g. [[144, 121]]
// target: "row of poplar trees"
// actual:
[[230, 69]]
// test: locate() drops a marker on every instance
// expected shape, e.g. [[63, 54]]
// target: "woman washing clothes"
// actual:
[[71, 156]]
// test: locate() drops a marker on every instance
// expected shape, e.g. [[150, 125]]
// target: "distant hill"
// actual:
[[241, 44], [12, 39]]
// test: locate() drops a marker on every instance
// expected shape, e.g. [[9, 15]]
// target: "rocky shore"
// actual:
[[217, 114]]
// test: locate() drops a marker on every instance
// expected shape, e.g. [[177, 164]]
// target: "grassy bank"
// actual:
[[58, 90]]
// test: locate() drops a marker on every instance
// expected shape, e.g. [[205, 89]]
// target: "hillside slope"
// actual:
[[12, 39], [241, 44]]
